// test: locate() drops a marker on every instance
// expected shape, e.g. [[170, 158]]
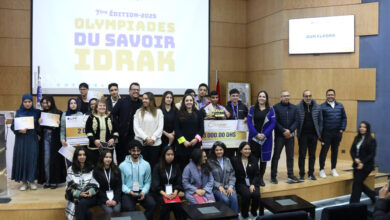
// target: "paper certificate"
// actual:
[[50, 120], [75, 130], [21, 123], [67, 152]]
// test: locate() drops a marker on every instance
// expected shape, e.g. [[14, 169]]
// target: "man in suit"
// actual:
[[114, 96]]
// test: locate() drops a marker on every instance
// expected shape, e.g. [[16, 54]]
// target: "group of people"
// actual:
[[169, 139]]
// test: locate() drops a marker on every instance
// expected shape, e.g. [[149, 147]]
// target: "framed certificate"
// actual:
[[50, 120], [21, 123], [75, 130]]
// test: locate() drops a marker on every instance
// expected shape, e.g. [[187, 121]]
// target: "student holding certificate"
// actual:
[[51, 164], [25, 158], [166, 184], [101, 131]]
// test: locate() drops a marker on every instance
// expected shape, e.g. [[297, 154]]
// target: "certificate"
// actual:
[[21, 123], [67, 152], [75, 130], [50, 120]]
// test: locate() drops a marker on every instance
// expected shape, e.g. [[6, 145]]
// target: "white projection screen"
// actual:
[[333, 34], [162, 45]]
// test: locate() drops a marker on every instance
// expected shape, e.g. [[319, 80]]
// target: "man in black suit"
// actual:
[[123, 113], [114, 96]]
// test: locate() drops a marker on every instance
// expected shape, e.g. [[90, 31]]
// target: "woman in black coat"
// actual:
[[247, 179], [108, 176], [363, 154], [166, 176], [51, 164]]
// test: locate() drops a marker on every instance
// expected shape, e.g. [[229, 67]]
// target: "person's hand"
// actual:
[[287, 133], [222, 190], [108, 203], [63, 142], [98, 143], [149, 141], [187, 144], [251, 188], [142, 196], [40, 120], [89, 194], [260, 136], [23, 131], [230, 191], [113, 203], [171, 138], [341, 131], [194, 142], [384, 192], [132, 194], [357, 161], [111, 142], [200, 192], [39, 137], [77, 145], [227, 113], [245, 120], [360, 166]]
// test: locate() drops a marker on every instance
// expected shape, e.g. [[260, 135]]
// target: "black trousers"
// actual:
[[82, 208], [129, 204], [246, 197], [166, 209], [330, 140], [122, 148], [358, 186], [256, 151], [151, 154], [280, 142], [307, 142]]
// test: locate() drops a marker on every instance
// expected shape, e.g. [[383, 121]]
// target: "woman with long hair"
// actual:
[[224, 176], [148, 128], [363, 152], [247, 179], [108, 175], [261, 122], [51, 166], [198, 180], [166, 184], [188, 130], [101, 131], [25, 158], [169, 111], [81, 187]]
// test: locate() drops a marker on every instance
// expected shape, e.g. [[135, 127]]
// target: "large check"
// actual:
[[75, 130], [230, 132]]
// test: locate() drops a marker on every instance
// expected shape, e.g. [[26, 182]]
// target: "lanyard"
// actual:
[[132, 166], [108, 177], [244, 165], [170, 173], [234, 112]]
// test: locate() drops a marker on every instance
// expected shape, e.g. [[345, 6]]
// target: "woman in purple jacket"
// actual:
[[261, 122]]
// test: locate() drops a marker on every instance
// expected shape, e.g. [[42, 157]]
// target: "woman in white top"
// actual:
[[148, 128]]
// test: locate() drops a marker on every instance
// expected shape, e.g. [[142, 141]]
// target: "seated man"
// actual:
[[382, 206], [136, 180], [213, 110]]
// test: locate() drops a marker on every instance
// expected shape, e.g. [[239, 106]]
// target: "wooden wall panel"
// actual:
[[227, 59], [14, 23], [366, 21], [231, 11], [350, 84], [266, 57], [270, 81], [14, 52], [16, 4], [227, 34], [258, 9], [14, 80], [224, 78]]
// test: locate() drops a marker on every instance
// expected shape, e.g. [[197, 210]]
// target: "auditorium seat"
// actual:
[[355, 211]]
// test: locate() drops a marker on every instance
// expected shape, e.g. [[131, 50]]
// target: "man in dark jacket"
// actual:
[[82, 100], [235, 107], [382, 206], [123, 113], [114, 96], [286, 123], [309, 117], [335, 121]]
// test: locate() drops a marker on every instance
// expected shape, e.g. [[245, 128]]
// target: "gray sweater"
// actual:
[[225, 177]]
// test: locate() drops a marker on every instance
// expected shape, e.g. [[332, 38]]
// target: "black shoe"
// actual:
[[293, 179], [301, 178], [312, 177], [274, 180], [45, 186], [54, 186], [262, 182]]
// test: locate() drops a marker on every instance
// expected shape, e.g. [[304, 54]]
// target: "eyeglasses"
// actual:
[[136, 90]]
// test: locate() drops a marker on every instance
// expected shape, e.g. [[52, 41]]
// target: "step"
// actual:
[[381, 179]]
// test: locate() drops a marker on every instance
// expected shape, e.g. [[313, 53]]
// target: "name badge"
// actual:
[[168, 188], [110, 194], [247, 181], [136, 186]]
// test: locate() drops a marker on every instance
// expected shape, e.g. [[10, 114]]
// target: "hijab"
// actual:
[[24, 112], [70, 112]]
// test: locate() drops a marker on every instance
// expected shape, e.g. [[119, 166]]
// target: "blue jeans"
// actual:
[[46, 156], [230, 201], [111, 209]]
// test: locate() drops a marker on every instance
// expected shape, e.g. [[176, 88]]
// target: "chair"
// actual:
[[298, 215], [355, 211]]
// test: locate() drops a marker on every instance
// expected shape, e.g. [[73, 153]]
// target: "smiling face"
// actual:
[[134, 92], [307, 97], [114, 91], [92, 104], [145, 101], [46, 104], [219, 151], [202, 91], [168, 99], [234, 98], [135, 152], [330, 96], [285, 97], [204, 158], [81, 157], [262, 98], [246, 151], [189, 102], [101, 108], [107, 160], [362, 129]]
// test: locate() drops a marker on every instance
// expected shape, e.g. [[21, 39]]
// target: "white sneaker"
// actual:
[[23, 187], [33, 186], [322, 174], [334, 172]]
